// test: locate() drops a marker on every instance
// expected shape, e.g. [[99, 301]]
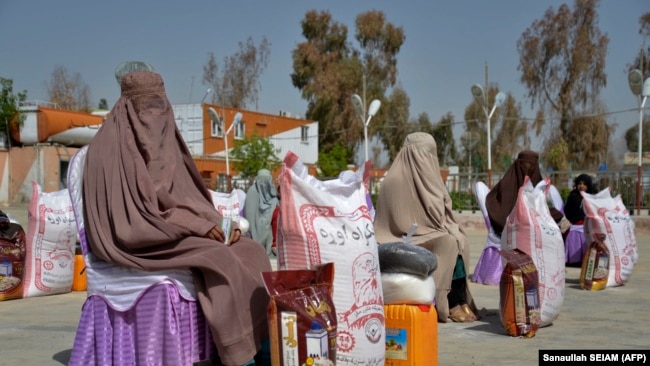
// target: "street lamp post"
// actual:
[[641, 89], [481, 99], [360, 108], [215, 118]]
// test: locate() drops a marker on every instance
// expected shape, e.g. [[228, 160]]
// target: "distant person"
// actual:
[[575, 243], [275, 221], [502, 198], [261, 201], [146, 207], [573, 209], [413, 193]]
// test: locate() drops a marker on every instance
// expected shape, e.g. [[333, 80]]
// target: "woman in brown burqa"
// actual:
[[413, 193], [146, 207], [502, 198]]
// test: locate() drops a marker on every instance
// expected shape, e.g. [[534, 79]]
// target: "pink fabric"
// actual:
[[162, 328]]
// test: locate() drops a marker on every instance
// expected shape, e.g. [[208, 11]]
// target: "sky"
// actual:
[[448, 44]]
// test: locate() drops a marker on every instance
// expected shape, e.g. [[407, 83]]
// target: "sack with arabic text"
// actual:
[[329, 221]]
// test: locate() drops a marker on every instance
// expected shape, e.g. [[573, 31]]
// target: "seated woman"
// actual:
[[146, 207], [502, 197], [575, 244], [413, 193]]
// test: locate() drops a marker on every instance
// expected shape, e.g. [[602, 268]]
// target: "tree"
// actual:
[[10, 115], [509, 132], [238, 83], [68, 91], [642, 60], [328, 70], [103, 104], [334, 161], [397, 126], [632, 136], [562, 64], [252, 154], [443, 133]]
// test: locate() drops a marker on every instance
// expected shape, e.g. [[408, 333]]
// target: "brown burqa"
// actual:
[[146, 207], [502, 198], [413, 192]]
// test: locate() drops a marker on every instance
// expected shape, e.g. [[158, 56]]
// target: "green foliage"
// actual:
[[9, 103], [462, 201], [335, 160], [327, 70], [632, 137], [252, 154], [443, 133], [103, 104]]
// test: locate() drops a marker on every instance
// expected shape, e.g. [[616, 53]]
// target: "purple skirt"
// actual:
[[575, 245], [489, 267], [161, 328]]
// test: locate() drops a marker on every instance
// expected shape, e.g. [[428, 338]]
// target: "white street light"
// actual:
[[481, 99], [360, 109], [641, 89], [236, 121]]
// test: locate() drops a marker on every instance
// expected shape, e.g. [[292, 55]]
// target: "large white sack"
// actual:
[[51, 240], [531, 229], [329, 221], [405, 288], [607, 215]]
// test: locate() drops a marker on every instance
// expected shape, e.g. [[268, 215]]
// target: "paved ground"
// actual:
[[40, 331]]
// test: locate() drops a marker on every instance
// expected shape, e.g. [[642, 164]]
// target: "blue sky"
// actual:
[[446, 48]]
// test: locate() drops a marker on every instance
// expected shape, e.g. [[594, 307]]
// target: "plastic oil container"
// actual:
[[411, 335]]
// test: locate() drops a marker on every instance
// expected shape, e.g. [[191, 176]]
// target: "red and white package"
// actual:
[[329, 221], [531, 229], [607, 215], [51, 240]]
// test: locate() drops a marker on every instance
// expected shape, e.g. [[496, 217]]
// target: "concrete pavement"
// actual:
[[41, 330]]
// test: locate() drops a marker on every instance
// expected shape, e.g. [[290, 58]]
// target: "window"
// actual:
[[304, 134], [216, 128], [240, 130]]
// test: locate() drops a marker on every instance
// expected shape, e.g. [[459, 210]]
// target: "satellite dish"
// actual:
[[130, 66], [213, 115]]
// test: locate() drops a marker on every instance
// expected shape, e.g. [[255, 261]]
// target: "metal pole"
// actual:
[[365, 138], [489, 143], [640, 157], [225, 140]]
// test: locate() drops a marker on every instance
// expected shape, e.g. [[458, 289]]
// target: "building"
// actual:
[[49, 137]]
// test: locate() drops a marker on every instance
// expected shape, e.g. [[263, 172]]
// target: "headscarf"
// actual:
[[261, 200], [413, 193], [586, 179], [573, 209], [146, 207], [425, 201], [502, 197]]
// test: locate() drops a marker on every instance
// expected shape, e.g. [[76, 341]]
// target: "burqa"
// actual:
[[146, 207]]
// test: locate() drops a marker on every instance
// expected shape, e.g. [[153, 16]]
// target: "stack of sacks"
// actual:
[[407, 273]]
